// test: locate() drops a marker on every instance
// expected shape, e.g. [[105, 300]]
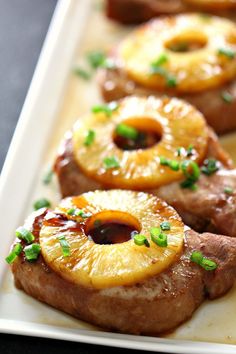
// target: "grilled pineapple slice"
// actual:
[[98, 265], [177, 123], [151, 57]]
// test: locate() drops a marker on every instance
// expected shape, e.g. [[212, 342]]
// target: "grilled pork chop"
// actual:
[[207, 209], [115, 84], [136, 11], [153, 306]]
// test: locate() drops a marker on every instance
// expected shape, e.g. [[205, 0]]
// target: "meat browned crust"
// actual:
[[136, 11], [156, 305], [115, 84]]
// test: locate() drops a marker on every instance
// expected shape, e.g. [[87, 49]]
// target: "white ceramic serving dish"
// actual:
[[54, 100]]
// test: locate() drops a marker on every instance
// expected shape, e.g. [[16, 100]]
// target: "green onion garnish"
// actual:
[[189, 150], [89, 137], [106, 109], [210, 166], [173, 164], [227, 52], [126, 131], [78, 212], [96, 59], [42, 203], [156, 68], [162, 59], [111, 162], [158, 237], [228, 190], [179, 151], [165, 225], [196, 257], [64, 245], [48, 177], [164, 161], [14, 253], [208, 264], [141, 240], [226, 97], [32, 252], [204, 262], [85, 75], [192, 172], [171, 81], [24, 234]]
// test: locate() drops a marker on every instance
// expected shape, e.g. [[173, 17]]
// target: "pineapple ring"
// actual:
[[101, 266], [181, 72], [213, 4], [178, 123]]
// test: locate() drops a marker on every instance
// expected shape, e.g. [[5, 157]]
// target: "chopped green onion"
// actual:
[[106, 109], [42, 203], [171, 81], [208, 264], [48, 177], [164, 161], [111, 162], [226, 97], [158, 237], [141, 240], [204, 262], [81, 73], [156, 68], [189, 150], [228, 190], [24, 234], [162, 59], [196, 257], [78, 212], [96, 59], [179, 151], [165, 225], [227, 52], [89, 137], [191, 170], [210, 166], [64, 245], [173, 164], [32, 252], [14, 253], [126, 131]]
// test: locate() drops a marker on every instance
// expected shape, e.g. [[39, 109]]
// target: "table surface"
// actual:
[[23, 26]]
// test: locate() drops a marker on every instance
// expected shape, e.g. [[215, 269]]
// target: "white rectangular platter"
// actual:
[[55, 99]]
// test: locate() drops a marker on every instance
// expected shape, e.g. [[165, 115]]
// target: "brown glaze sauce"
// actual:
[[111, 233], [62, 221]]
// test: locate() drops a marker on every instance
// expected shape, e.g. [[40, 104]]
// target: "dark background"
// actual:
[[23, 26]]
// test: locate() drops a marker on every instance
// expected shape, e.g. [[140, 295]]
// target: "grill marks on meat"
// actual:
[[156, 305]]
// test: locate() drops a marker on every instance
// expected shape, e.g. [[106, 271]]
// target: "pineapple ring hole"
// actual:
[[187, 42], [111, 227], [149, 134]]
